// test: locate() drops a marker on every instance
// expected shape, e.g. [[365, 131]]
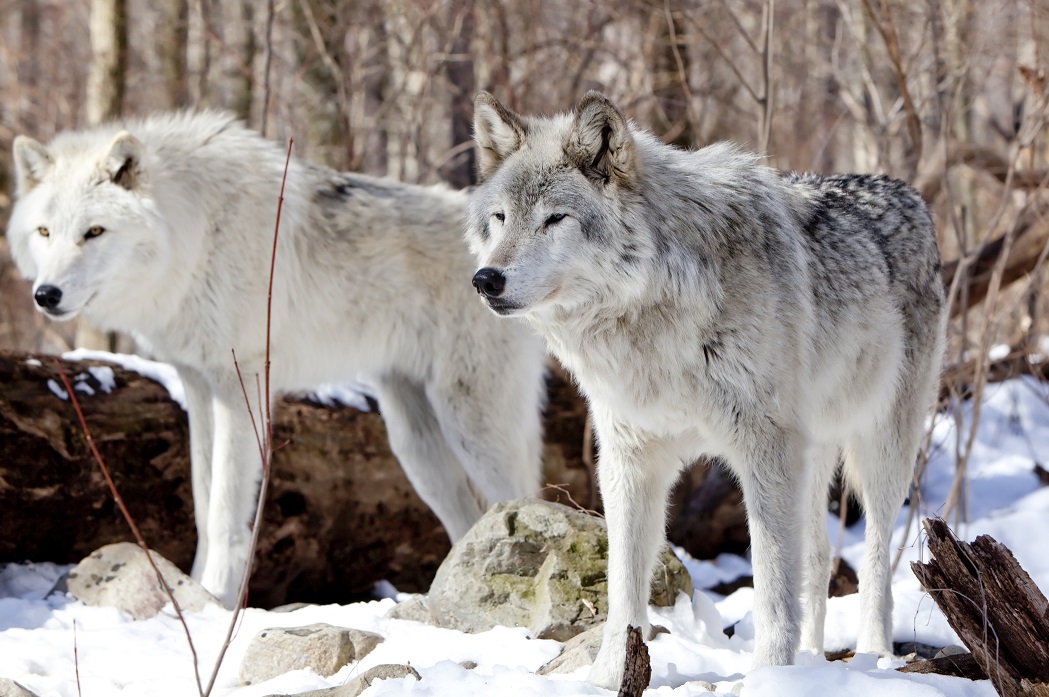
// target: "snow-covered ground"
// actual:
[[118, 656]]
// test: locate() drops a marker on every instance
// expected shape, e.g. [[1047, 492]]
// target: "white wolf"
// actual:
[[709, 305], [163, 227]]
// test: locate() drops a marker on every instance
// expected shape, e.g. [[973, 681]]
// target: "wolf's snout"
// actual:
[[490, 282], [48, 297]]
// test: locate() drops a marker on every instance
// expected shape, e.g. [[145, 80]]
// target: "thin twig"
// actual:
[[768, 96], [127, 517], [76, 661], [264, 440]]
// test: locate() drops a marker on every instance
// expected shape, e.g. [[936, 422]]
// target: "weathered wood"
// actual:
[[962, 665], [637, 668], [1029, 241], [993, 605]]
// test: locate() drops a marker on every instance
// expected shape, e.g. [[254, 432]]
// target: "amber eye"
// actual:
[[93, 232], [43, 231]]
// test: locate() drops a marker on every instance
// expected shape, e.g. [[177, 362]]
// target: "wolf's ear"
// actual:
[[600, 143], [123, 163], [32, 160], [497, 131]]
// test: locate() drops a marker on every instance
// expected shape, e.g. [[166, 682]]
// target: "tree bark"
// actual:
[[996, 609], [460, 171], [1029, 242], [637, 668]]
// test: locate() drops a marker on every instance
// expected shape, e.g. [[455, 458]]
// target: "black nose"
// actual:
[[48, 297], [490, 282]]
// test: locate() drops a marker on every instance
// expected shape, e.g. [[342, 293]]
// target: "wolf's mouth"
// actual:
[[58, 315], [503, 307]]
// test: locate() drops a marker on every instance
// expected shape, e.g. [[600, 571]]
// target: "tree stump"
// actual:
[[996, 609], [637, 668]]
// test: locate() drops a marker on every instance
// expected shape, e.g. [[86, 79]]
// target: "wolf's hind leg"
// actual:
[[823, 463], [495, 432], [428, 461], [880, 465]]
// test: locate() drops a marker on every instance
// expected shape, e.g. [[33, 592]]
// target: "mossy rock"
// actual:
[[540, 565]]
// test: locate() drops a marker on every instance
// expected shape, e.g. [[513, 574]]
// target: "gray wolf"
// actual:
[[708, 305], [163, 227]]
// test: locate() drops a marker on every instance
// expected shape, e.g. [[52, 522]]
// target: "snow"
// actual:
[[351, 394], [118, 656], [163, 373]]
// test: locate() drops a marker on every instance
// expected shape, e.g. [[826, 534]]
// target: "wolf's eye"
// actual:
[[43, 231], [93, 231], [499, 216], [555, 218]]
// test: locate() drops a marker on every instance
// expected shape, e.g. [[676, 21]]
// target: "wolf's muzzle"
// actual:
[[490, 282]]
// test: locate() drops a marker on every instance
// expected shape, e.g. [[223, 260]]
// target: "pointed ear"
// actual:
[[600, 143], [123, 163], [498, 133], [32, 161]]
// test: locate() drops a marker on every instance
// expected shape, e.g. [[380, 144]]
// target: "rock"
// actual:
[[320, 647], [415, 608], [9, 688], [536, 564], [579, 651], [703, 685], [362, 682], [119, 575]]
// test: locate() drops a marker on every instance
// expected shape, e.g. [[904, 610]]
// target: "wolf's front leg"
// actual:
[[772, 477], [235, 477], [635, 474], [201, 447]]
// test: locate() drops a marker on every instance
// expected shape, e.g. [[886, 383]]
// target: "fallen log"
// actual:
[[993, 605], [340, 515]]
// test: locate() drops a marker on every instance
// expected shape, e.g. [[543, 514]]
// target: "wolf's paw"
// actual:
[[774, 653], [607, 671]]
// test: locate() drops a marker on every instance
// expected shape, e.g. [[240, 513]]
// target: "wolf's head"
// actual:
[[550, 222], [84, 227]]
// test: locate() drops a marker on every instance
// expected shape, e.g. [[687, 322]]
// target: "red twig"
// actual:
[[76, 661], [264, 440], [128, 518]]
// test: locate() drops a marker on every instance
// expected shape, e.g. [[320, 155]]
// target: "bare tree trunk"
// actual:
[[28, 59], [105, 101], [105, 81], [460, 170], [229, 78], [171, 45], [670, 80]]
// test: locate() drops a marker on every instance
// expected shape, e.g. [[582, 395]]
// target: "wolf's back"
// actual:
[[867, 233]]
